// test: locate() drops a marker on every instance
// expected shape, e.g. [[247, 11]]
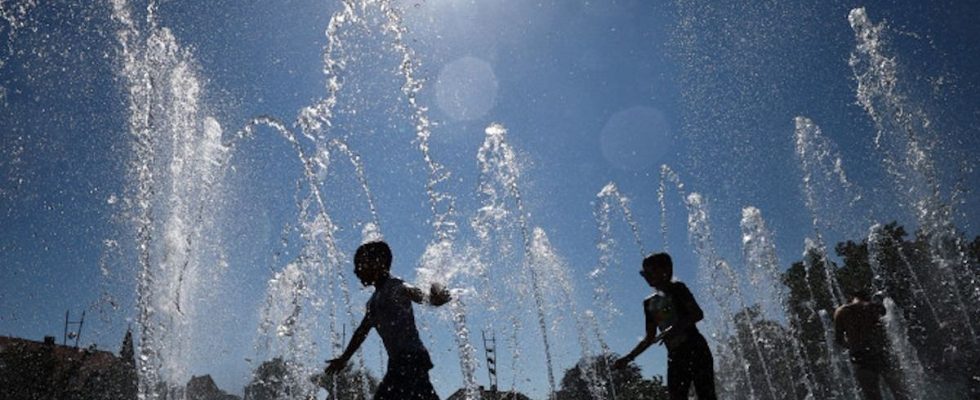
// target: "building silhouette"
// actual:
[[32, 370], [489, 395]]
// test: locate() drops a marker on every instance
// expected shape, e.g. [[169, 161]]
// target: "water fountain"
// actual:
[[181, 157], [503, 220], [171, 132], [823, 181], [903, 132], [897, 329], [609, 199], [717, 274], [815, 154]]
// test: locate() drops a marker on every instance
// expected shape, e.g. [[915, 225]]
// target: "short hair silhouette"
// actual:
[[373, 252], [861, 294], [657, 261]]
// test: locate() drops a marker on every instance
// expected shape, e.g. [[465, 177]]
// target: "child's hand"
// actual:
[[317, 379], [336, 365], [439, 295]]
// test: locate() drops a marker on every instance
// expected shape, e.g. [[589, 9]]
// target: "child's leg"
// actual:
[[868, 379], [386, 390], [423, 389], [406, 383], [704, 382], [679, 374], [704, 372], [896, 384]]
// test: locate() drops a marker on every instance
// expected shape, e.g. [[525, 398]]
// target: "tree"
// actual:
[[772, 355], [935, 289], [350, 384], [589, 379], [277, 379], [811, 305], [273, 380]]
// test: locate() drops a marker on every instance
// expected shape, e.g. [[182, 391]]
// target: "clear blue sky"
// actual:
[[591, 92]]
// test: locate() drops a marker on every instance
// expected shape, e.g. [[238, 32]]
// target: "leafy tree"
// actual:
[[350, 384], [769, 349], [589, 379], [274, 380], [974, 249], [811, 306], [935, 289]]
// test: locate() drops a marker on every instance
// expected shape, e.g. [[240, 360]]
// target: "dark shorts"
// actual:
[[691, 363], [407, 378], [873, 368]]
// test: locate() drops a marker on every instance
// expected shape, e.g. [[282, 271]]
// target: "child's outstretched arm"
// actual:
[[644, 344], [438, 295], [360, 334], [648, 340]]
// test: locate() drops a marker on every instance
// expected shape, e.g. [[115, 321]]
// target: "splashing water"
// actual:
[[609, 194], [842, 383], [499, 184], [824, 175], [283, 324], [878, 244], [813, 149], [827, 191], [723, 286], [559, 285], [895, 326], [177, 154], [667, 175], [912, 371], [764, 275], [179, 162], [166, 122], [903, 132], [441, 204], [494, 225], [14, 16], [320, 257], [439, 263], [606, 245], [721, 280]]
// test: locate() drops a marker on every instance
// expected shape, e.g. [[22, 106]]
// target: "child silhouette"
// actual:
[[389, 311], [674, 312]]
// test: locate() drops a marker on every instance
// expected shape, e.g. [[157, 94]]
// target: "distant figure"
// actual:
[[673, 310], [390, 312], [859, 328]]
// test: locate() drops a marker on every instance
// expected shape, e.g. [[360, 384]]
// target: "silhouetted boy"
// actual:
[[390, 312], [674, 312], [859, 328]]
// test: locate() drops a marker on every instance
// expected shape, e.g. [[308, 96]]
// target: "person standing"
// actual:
[[858, 328], [674, 312]]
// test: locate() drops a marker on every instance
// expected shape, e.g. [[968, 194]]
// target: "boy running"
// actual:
[[390, 312]]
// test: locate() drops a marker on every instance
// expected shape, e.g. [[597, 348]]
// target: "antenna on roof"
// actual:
[[73, 335], [490, 349]]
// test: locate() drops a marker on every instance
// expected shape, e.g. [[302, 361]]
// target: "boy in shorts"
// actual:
[[673, 311], [389, 311]]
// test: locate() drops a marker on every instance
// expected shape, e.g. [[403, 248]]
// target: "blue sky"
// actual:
[[589, 92]]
